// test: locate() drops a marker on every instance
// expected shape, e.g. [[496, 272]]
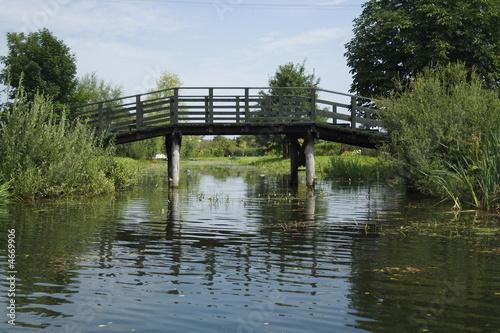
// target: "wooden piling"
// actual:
[[173, 146], [310, 165]]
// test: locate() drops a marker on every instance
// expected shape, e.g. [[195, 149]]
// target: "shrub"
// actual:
[[436, 121], [45, 155]]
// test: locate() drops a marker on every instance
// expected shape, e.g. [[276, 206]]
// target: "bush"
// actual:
[[123, 171], [436, 122], [45, 155]]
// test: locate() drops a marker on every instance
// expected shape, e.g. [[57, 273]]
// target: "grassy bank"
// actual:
[[358, 167], [346, 166]]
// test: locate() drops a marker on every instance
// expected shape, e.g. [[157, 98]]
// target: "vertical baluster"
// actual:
[[237, 109], [175, 107], [247, 105], [313, 105], [100, 117], [138, 113], [353, 112], [211, 105]]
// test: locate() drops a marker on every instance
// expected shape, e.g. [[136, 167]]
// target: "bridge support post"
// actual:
[[310, 164], [295, 159], [173, 145], [302, 155]]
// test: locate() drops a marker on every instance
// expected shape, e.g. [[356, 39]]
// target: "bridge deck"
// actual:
[[236, 111]]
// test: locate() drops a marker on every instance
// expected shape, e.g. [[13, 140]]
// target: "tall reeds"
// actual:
[[474, 179]]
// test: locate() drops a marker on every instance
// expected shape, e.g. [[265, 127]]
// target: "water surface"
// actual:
[[234, 250]]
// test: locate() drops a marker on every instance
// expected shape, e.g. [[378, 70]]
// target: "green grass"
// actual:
[[347, 166], [358, 167]]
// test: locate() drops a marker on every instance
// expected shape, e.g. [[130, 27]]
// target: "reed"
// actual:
[[4, 191], [474, 179]]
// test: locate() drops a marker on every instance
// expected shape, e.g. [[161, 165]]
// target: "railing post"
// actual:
[[138, 112], [353, 112], [175, 107], [313, 104], [247, 105], [100, 117], [237, 109], [210, 105], [334, 116], [280, 105]]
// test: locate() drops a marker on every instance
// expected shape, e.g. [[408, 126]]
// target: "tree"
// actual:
[[165, 82], [395, 39], [42, 63], [293, 76], [149, 148], [91, 89]]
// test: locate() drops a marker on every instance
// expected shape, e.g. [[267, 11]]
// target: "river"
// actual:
[[236, 250]]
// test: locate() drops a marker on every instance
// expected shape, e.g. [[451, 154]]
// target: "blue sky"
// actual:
[[206, 42]]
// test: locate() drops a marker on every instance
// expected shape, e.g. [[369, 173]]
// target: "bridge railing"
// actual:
[[234, 105]]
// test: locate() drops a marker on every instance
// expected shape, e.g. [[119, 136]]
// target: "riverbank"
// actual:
[[351, 166]]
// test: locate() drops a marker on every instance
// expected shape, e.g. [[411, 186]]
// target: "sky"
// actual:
[[207, 43]]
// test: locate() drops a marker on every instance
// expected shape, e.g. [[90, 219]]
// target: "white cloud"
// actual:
[[313, 37]]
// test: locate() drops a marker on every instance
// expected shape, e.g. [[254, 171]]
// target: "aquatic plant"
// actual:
[[474, 179], [4, 191]]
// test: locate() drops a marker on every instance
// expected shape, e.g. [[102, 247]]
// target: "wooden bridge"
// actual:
[[302, 114]]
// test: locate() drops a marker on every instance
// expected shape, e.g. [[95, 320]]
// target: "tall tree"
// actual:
[[149, 148], [289, 75], [43, 63], [91, 89], [394, 39]]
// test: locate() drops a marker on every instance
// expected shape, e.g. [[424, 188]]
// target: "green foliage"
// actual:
[[141, 150], [4, 190], [147, 149], [354, 166], [165, 82], [43, 63], [326, 148], [91, 89], [292, 76], [123, 171], [474, 179], [395, 39], [436, 121], [44, 155]]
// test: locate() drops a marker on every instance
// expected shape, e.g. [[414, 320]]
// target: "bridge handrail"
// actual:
[[247, 105]]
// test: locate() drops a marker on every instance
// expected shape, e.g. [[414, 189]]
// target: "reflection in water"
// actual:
[[239, 252]]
